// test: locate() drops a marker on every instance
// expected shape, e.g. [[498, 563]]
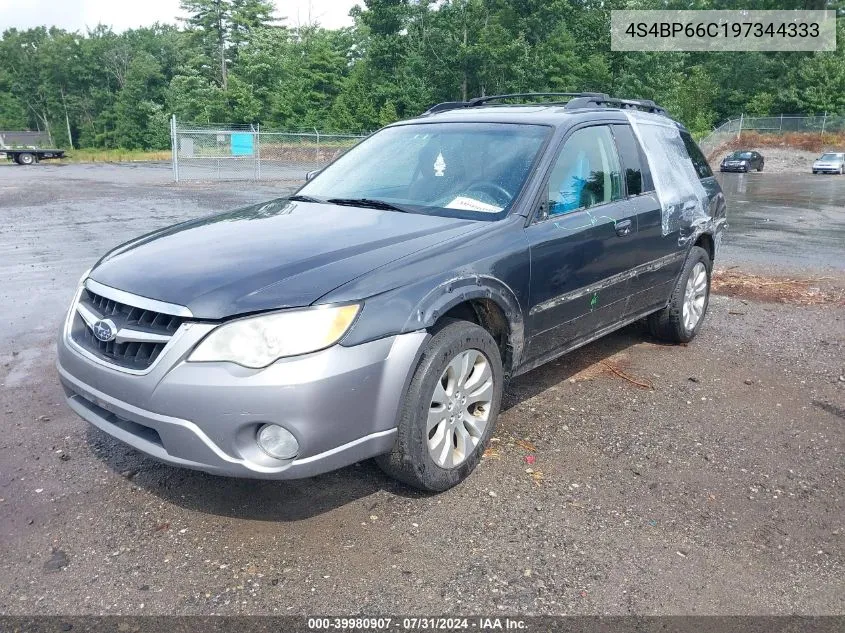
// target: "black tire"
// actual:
[[668, 324], [815, 173], [26, 159], [410, 461], [760, 168]]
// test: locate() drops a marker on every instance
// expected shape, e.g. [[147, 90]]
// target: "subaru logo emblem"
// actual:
[[105, 330]]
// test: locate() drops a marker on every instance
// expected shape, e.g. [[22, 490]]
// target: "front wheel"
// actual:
[[450, 410], [680, 321]]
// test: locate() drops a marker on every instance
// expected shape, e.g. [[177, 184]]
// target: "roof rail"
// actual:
[[479, 101], [646, 105], [576, 100], [482, 100]]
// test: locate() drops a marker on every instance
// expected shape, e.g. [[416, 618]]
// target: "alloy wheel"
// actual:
[[460, 408], [695, 296]]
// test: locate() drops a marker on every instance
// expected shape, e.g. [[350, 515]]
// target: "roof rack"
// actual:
[[576, 100], [646, 105]]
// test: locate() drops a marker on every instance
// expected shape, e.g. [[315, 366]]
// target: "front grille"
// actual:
[[138, 355]]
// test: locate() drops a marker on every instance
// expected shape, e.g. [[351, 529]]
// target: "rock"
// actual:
[[58, 560], [748, 381], [64, 457], [492, 494]]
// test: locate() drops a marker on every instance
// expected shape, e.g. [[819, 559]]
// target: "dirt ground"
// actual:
[[629, 477]]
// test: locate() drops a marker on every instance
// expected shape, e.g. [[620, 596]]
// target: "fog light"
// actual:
[[277, 442]]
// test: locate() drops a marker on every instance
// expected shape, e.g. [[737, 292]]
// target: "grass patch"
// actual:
[[113, 155]]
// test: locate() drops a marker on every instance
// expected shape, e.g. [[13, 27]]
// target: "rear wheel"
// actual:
[[680, 321], [450, 410], [26, 158]]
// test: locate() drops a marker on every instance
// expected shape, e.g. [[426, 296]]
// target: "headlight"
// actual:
[[258, 341]]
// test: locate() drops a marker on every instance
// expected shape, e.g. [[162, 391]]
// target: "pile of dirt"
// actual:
[[792, 152], [794, 291], [777, 159]]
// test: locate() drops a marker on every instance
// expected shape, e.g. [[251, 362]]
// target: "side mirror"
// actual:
[[311, 174]]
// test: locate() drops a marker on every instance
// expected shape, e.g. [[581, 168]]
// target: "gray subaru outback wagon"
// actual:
[[380, 310]]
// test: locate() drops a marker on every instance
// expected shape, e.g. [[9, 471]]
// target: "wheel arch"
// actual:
[[706, 241], [486, 301]]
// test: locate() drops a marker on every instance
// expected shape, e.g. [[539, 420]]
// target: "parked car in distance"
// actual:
[[381, 309], [830, 163], [742, 160]]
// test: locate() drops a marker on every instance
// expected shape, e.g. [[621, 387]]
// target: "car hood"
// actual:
[[280, 254]]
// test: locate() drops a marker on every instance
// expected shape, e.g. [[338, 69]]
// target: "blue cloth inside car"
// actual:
[[572, 186]]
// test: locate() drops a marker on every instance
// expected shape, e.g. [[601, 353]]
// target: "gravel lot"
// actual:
[[721, 490]]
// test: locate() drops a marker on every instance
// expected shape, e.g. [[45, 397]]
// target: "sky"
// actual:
[[76, 15]]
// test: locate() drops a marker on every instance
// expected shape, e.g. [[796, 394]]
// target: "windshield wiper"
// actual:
[[368, 202], [297, 198]]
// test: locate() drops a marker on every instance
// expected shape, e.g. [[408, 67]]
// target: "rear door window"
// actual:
[[634, 165]]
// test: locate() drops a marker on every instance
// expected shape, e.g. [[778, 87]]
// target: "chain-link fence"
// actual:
[[816, 129], [210, 151]]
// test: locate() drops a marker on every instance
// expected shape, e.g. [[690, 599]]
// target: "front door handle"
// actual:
[[623, 228]]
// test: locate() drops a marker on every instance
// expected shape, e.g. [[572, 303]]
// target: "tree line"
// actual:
[[233, 61]]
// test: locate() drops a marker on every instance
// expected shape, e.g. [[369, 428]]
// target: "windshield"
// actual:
[[745, 155], [830, 156], [468, 170]]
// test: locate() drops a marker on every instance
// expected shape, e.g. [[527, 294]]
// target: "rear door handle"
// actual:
[[623, 228]]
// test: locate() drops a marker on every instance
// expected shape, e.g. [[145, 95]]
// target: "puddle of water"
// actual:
[[786, 220]]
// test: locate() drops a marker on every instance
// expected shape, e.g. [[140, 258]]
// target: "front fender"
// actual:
[[445, 296]]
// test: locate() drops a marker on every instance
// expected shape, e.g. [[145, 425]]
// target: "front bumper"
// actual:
[[826, 169], [739, 168], [341, 404]]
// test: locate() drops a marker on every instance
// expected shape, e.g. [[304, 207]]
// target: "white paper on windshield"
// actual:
[[683, 200], [471, 204]]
